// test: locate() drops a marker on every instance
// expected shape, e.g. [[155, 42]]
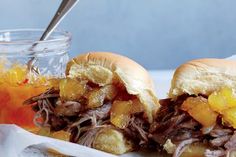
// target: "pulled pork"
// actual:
[[171, 123], [178, 126], [82, 123]]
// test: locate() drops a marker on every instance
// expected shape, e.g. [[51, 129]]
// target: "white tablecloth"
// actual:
[[162, 80]]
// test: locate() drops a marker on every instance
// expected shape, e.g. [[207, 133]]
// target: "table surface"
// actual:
[[162, 80]]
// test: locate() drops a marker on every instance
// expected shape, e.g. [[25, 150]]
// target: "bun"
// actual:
[[105, 68], [203, 76]]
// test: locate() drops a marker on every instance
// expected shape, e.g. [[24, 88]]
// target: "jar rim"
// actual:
[[64, 36], [19, 42]]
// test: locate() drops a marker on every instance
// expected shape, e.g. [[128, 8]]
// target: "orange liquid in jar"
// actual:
[[16, 86]]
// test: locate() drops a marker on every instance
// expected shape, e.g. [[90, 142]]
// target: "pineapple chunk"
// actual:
[[71, 89], [120, 113], [110, 91], [96, 98], [229, 96], [200, 110], [45, 131], [122, 110], [54, 82], [229, 116], [121, 121], [222, 100], [61, 135], [16, 75], [217, 103]]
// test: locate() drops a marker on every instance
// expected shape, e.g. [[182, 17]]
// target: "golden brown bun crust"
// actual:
[[203, 76], [106, 68], [113, 61]]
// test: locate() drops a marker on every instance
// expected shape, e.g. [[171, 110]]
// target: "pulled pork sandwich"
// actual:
[[199, 118], [106, 102]]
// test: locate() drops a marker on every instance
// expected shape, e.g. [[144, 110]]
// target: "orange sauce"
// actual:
[[16, 86]]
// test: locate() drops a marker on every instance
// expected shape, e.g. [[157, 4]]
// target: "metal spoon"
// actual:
[[64, 8]]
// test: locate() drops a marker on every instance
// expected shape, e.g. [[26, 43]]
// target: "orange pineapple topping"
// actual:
[[224, 102], [220, 103], [17, 85]]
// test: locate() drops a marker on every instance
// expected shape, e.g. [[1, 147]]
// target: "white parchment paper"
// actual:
[[17, 142], [14, 140]]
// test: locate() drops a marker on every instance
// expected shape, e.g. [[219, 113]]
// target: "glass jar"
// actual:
[[17, 82]]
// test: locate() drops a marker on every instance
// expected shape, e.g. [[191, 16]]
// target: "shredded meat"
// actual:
[[171, 123], [214, 153], [88, 137], [68, 108], [83, 123], [44, 106], [232, 142], [170, 128], [57, 123], [178, 126], [190, 124], [99, 113], [182, 146], [219, 141], [137, 128], [219, 131], [174, 124], [71, 116], [88, 122]]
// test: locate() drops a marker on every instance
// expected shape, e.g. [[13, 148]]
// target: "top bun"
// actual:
[[105, 68], [203, 76]]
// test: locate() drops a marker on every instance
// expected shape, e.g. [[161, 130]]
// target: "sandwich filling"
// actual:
[[83, 108], [190, 119]]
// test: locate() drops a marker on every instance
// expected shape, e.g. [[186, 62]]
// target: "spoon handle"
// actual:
[[64, 8]]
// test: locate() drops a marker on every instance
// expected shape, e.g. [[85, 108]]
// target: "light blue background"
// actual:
[[159, 34]]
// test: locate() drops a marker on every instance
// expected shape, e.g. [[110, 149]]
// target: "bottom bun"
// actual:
[[112, 141]]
